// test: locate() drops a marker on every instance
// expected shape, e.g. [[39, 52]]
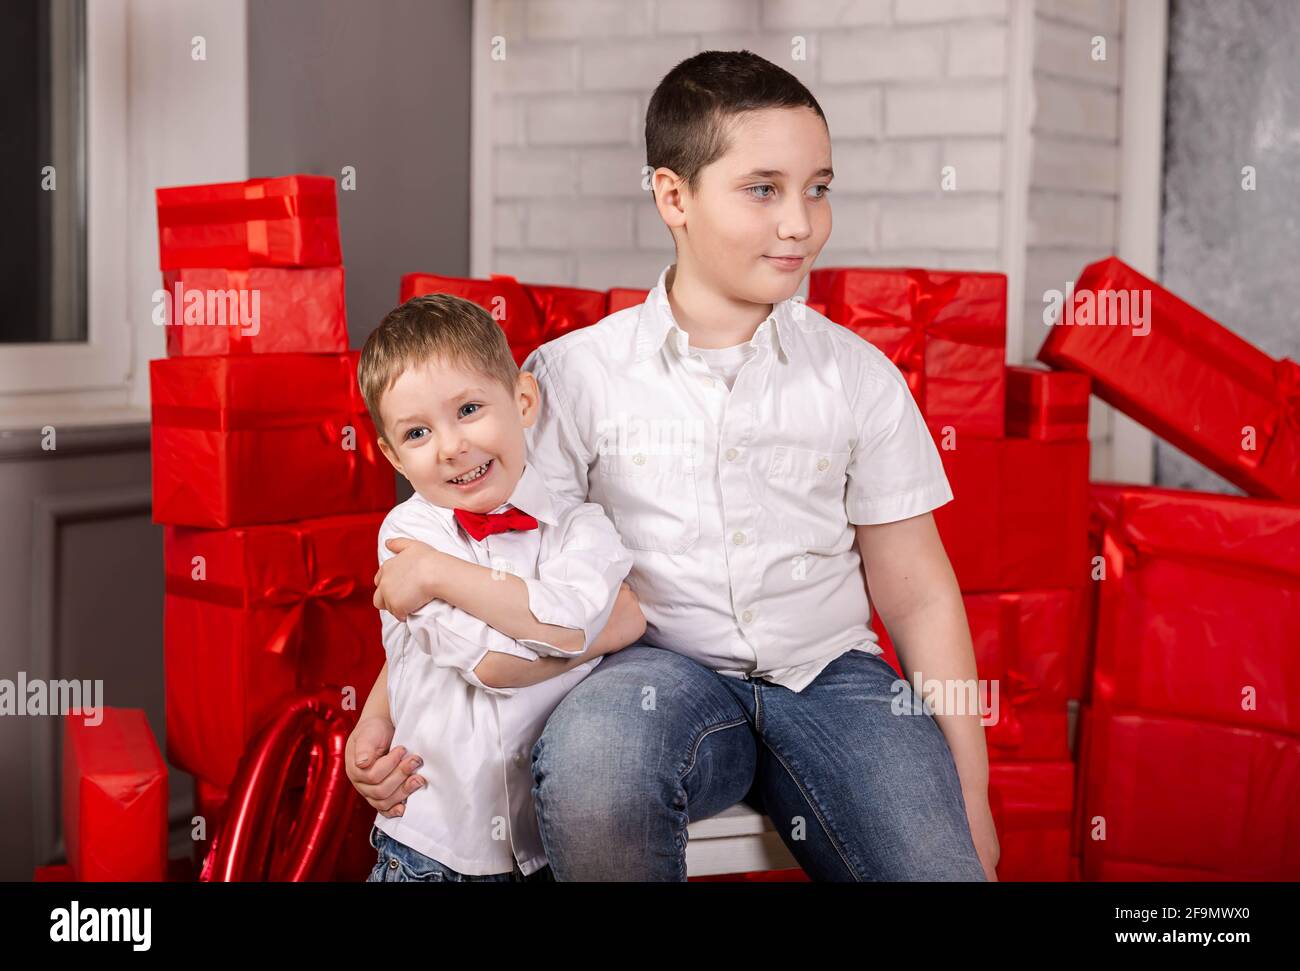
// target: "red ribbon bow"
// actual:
[[483, 524]]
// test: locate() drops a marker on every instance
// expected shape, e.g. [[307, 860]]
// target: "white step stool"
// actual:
[[737, 840]]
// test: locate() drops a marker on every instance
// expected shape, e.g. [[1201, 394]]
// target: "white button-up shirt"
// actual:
[[739, 505], [476, 813]]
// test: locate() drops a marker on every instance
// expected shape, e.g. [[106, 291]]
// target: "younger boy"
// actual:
[[524, 586]]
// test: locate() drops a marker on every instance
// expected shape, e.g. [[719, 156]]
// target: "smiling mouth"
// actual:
[[473, 475]]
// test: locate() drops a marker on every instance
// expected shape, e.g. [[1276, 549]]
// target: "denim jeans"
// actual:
[[652, 740], [398, 863]]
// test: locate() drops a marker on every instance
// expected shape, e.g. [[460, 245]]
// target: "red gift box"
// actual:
[[620, 298], [530, 314], [945, 331], [288, 221], [114, 798], [1200, 609], [1032, 805], [1181, 799], [273, 311], [254, 615], [240, 440], [1030, 643], [1019, 514], [1047, 405], [1183, 375]]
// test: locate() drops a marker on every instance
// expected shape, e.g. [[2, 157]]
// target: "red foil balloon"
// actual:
[[290, 803]]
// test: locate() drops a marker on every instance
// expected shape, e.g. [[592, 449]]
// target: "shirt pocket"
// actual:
[[805, 497], [653, 499]]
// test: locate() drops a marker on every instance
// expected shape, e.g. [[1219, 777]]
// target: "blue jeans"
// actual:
[[652, 740], [398, 863]]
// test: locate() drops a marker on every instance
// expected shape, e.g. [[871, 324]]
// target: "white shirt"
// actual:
[[726, 362], [738, 507], [476, 812]]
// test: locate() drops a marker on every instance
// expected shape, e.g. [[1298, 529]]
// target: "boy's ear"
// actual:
[[528, 396], [390, 454]]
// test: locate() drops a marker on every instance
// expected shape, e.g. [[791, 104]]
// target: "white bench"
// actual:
[[737, 840]]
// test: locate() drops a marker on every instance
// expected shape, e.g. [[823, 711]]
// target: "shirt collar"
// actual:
[[656, 324], [530, 495]]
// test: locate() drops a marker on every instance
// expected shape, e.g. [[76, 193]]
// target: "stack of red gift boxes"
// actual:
[[266, 475]]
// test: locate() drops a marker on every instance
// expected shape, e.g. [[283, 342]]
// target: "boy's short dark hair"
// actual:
[[436, 325], [686, 120]]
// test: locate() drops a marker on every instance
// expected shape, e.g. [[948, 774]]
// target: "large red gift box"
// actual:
[[254, 615], [114, 798], [1186, 377], [620, 298], [946, 331], [1032, 809], [1019, 514], [1030, 644], [1191, 744], [239, 440], [288, 221], [530, 314], [1047, 405], [1180, 799], [262, 310]]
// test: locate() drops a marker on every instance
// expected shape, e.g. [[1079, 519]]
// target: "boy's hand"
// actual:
[[407, 581], [625, 626], [383, 778], [985, 835]]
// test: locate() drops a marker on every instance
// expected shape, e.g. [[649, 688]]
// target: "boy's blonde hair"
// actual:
[[436, 325]]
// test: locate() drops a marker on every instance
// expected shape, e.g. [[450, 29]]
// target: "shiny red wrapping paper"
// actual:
[[114, 798], [260, 438], [1019, 514], [620, 298], [946, 331], [1047, 405], [254, 615], [298, 311], [1191, 744], [1188, 379], [1032, 804], [530, 314], [1031, 643], [287, 221]]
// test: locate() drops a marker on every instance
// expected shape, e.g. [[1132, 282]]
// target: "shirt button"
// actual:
[[731, 454], [738, 538], [519, 758], [747, 616], [823, 465], [638, 458]]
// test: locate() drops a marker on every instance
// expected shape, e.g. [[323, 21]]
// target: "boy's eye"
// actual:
[[754, 188], [411, 434], [471, 404], [825, 193]]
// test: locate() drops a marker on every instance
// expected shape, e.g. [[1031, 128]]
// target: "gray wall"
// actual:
[[1233, 100], [383, 86]]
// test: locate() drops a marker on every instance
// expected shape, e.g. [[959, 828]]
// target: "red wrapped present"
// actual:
[[1200, 609], [1174, 798], [1047, 405], [1031, 805], [1186, 377], [620, 298], [530, 314], [55, 873], [1029, 646], [259, 311], [1019, 514], [945, 331], [240, 440], [254, 615], [114, 798], [289, 221]]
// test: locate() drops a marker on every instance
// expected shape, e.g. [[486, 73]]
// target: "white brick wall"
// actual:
[[908, 87]]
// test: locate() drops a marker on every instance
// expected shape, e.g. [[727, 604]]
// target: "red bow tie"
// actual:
[[483, 524]]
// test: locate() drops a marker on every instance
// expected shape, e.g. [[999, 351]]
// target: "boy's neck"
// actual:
[[709, 319]]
